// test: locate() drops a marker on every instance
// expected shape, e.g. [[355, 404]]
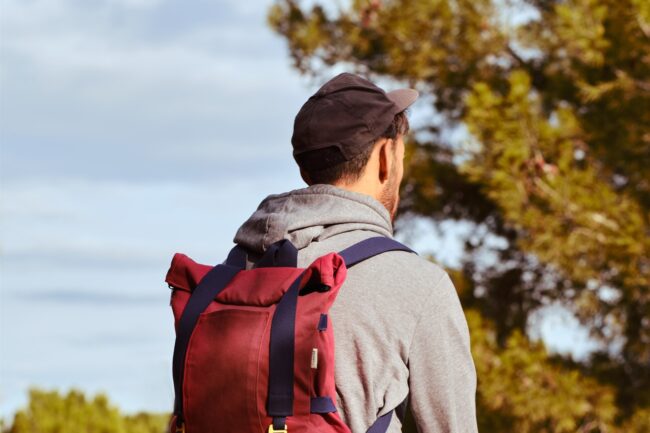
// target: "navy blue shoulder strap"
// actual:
[[203, 294], [282, 253], [369, 248], [357, 253]]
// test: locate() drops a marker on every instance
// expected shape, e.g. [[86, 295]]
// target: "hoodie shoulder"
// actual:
[[414, 275], [401, 284]]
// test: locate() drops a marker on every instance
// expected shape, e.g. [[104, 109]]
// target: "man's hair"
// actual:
[[350, 171]]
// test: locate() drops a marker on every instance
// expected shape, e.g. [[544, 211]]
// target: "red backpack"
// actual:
[[254, 349]]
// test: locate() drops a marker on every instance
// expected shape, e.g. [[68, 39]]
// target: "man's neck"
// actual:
[[359, 187]]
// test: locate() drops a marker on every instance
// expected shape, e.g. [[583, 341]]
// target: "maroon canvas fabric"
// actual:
[[227, 364]]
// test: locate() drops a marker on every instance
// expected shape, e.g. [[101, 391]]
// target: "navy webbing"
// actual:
[[282, 343], [208, 288], [356, 254], [382, 423], [282, 347], [370, 247], [321, 405]]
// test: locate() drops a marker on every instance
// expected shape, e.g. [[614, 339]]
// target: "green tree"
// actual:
[[522, 389], [51, 412], [552, 101]]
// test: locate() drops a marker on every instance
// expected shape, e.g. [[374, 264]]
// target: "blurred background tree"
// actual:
[[540, 140], [51, 412]]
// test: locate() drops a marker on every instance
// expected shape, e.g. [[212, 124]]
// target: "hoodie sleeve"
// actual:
[[442, 376]]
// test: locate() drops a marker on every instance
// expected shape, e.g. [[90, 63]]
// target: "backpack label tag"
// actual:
[[314, 358]]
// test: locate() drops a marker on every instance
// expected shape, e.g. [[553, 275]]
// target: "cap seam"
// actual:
[[351, 112]]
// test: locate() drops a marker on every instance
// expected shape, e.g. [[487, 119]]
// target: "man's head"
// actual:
[[350, 134]]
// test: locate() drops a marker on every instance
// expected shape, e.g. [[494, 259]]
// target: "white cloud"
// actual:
[[64, 43], [98, 83]]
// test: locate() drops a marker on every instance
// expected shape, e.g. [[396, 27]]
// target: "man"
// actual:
[[400, 330]]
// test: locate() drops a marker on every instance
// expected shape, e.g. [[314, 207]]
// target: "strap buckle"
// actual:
[[272, 430]]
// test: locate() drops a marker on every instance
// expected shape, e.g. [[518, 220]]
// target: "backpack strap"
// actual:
[[203, 294], [281, 357], [357, 253], [281, 254], [401, 410], [369, 248], [382, 423]]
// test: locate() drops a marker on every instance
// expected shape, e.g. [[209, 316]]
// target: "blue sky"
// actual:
[[129, 130]]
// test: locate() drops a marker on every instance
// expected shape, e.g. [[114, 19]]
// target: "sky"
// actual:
[[130, 130]]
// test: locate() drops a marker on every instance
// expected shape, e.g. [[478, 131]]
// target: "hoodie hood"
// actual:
[[311, 214]]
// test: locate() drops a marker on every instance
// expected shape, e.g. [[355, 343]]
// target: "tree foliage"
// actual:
[[551, 101], [52, 412], [523, 388]]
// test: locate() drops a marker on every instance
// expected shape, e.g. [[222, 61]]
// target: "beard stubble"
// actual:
[[389, 196]]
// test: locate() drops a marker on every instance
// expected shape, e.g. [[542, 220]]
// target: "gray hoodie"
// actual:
[[398, 323]]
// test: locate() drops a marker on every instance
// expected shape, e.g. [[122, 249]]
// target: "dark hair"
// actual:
[[350, 171]]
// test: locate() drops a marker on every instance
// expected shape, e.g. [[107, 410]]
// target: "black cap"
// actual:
[[346, 114]]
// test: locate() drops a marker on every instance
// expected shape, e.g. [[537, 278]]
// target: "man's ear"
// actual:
[[305, 177], [384, 159]]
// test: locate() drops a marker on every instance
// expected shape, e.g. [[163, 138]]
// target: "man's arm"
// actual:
[[442, 376]]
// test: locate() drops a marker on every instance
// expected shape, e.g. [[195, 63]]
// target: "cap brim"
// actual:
[[403, 98]]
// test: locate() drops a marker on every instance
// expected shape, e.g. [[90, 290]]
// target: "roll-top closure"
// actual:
[[259, 286]]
